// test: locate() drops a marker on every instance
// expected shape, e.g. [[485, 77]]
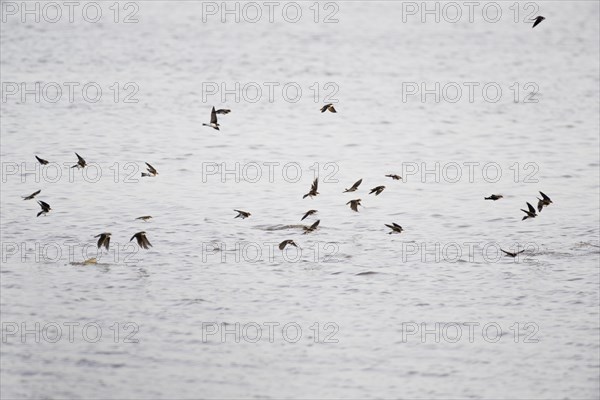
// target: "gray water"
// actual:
[[356, 313]]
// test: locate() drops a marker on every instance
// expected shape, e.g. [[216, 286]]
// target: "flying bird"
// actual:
[[104, 240], [242, 214], [530, 214], [494, 197], [394, 177], [513, 255], [213, 120], [32, 195], [537, 21], [41, 160], [145, 218], [543, 202], [395, 228], [313, 189], [287, 242], [45, 208], [223, 111], [377, 190], [354, 204], [142, 240], [328, 107], [354, 187], [308, 229], [308, 213], [151, 171], [80, 162]]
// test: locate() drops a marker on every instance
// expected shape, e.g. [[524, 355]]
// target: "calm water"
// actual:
[[214, 309]]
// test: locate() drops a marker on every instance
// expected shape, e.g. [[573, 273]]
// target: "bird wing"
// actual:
[[396, 225], [506, 252], [545, 197], [79, 158], [213, 116], [390, 226], [151, 169], [283, 244], [305, 215], [44, 205], [100, 240], [540, 205], [107, 242], [531, 209], [134, 237], [41, 160], [146, 241], [325, 107], [314, 226], [354, 206], [519, 252], [315, 185], [356, 184]]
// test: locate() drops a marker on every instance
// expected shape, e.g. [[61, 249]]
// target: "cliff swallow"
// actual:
[[537, 20], [223, 111], [354, 187], [530, 214], [313, 189], [242, 214], [308, 213], [394, 177], [494, 197], [142, 240], [513, 255], [377, 190], [213, 120], [151, 171], [145, 218], [328, 107], [308, 229], [80, 162], [45, 207], [354, 204], [395, 228], [543, 202], [285, 243], [41, 160], [32, 195], [104, 240]]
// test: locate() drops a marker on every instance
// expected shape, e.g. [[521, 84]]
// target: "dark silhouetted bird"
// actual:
[[41, 160], [32, 195], [543, 202], [537, 21], [494, 197], [328, 107], [104, 239], [377, 190], [354, 204], [354, 187], [80, 162], [45, 208], [308, 213], [287, 242], [151, 171], [395, 228], [213, 120], [530, 213], [142, 240], [394, 177], [313, 189], [223, 111], [308, 229], [513, 255], [242, 214], [145, 218]]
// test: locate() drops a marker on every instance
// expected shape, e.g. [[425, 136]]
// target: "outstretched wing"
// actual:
[[80, 159], [213, 116], [283, 244], [357, 184], [325, 107], [531, 209], [314, 226], [41, 160], [151, 169], [545, 197], [506, 252]]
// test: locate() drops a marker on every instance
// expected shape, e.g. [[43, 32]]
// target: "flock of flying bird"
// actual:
[[142, 240], [104, 238]]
